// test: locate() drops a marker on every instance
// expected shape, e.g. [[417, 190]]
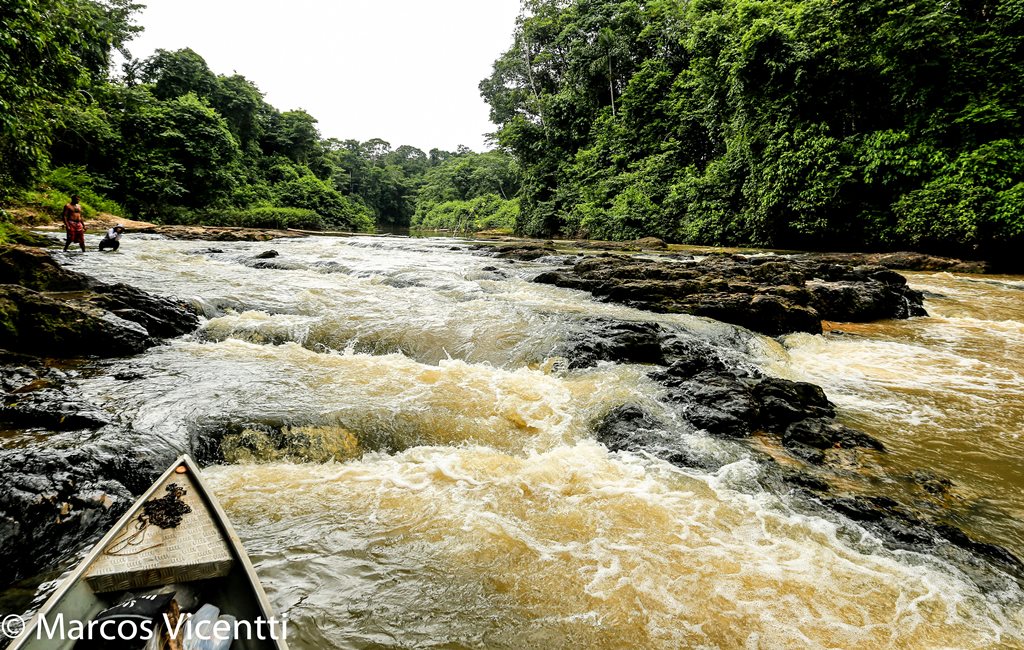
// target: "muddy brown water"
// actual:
[[445, 491]]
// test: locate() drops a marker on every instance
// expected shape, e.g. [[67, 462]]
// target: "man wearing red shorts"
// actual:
[[73, 224]]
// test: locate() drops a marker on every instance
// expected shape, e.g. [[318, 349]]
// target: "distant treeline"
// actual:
[[794, 123], [167, 139]]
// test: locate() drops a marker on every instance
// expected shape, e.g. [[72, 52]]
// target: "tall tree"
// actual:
[[791, 123], [50, 53], [178, 73]]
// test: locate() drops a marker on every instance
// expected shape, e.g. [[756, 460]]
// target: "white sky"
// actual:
[[403, 70]]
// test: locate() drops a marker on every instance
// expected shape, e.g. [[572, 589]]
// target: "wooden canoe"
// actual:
[[202, 554]]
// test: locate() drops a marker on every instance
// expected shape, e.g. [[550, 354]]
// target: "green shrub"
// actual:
[[338, 211], [88, 187], [278, 218], [12, 234], [486, 212]]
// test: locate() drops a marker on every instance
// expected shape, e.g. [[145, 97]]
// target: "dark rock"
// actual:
[[33, 268], [617, 341], [908, 261], [524, 253], [630, 428], [715, 420], [266, 255], [999, 554], [54, 500], [88, 318], [768, 314], [162, 317], [36, 324], [782, 402], [708, 389], [859, 301], [768, 295], [723, 403], [803, 479], [51, 409], [806, 453], [821, 433], [899, 525]]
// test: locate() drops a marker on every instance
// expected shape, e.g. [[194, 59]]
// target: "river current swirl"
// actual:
[[447, 490]]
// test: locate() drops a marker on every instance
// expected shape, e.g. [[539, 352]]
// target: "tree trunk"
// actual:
[[611, 85]]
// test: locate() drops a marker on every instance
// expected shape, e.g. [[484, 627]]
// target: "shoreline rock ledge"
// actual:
[[767, 294], [51, 311], [73, 468]]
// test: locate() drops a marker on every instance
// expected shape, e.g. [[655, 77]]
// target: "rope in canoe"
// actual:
[[165, 512]]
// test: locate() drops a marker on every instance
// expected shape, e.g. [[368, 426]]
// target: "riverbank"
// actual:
[[541, 367]]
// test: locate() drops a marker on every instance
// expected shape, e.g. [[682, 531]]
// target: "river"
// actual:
[[442, 488]]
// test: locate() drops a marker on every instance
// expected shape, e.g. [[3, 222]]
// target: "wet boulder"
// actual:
[[608, 340], [162, 317], [54, 499], [33, 268], [860, 301], [34, 323], [770, 295], [782, 402], [631, 428]]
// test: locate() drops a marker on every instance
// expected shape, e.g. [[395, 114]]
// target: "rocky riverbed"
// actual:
[[73, 485], [684, 392], [765, 294]]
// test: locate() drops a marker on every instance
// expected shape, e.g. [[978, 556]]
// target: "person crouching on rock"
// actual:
[[112, 239], [74, 224]]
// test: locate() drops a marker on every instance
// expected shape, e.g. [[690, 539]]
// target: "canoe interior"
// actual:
[[196, 563]]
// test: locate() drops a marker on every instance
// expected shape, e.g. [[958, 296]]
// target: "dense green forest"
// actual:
[[166, 139], [790, 123], [795, 123]]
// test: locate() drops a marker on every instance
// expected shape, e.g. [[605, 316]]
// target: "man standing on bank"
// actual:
[[112, 239], [73, 223]]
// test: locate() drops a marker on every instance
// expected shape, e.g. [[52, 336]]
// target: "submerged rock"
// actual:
[[765, 294], [706, 391], [907, 261]]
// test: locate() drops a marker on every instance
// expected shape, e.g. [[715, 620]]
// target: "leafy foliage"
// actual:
[[279, 218], [45, 64], [172, 141], [338, 212], [798, 123], [487, 212]]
